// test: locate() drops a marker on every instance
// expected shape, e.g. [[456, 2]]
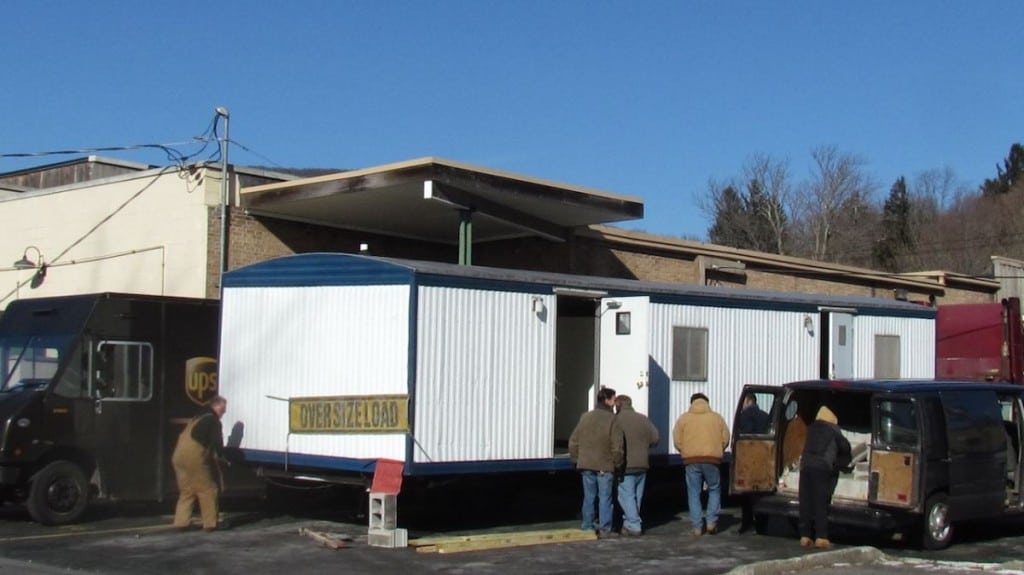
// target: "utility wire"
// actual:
[[178, 158], [255, 153]]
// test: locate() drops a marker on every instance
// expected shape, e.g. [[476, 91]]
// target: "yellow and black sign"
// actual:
[[349, 414]]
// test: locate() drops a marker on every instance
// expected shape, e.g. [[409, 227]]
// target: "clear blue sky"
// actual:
[[650, 99]]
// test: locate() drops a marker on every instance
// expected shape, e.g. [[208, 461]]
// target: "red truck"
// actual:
[[983, 341]]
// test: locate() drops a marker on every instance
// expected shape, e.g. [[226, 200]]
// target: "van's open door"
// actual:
[[894, 464], [755, 453], [625, 357]]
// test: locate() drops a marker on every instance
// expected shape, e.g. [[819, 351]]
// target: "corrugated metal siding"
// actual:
[[917, 345], [744, 347], [485, 376], [312, 341]]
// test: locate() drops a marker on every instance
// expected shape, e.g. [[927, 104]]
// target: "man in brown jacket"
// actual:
[[640, 435], [701, 437], [200, 447], [596, 445]]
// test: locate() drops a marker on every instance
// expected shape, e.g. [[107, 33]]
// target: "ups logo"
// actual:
[[201, 379]]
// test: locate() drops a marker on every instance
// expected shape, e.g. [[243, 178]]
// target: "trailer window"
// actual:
[[122, 371], [887, 357], [689, 353]]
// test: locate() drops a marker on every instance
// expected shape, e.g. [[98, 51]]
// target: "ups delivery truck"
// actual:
[[94, 390]]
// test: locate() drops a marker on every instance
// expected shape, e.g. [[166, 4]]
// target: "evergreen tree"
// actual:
[[730, 227], [1007, 175], [896, 237]]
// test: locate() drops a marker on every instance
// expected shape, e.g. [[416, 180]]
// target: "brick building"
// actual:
[[104, 225]]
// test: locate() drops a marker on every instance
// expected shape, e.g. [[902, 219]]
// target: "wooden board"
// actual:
[[755, 465], [499, 540]]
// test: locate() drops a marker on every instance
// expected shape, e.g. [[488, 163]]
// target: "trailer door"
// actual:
[[839, 346], [755, 427], [625, 357]]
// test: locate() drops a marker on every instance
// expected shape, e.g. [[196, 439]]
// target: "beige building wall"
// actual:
[[145, 233]]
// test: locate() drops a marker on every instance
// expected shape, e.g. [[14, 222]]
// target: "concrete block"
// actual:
[[383, 511], [392, 538]]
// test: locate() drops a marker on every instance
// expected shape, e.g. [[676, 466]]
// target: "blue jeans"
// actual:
[[631, 498], [597, 485], [696, 475]]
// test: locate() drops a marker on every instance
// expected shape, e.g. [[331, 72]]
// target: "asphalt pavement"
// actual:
[[265, 537]]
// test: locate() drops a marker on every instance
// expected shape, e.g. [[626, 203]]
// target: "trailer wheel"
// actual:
[[58, 494], [937, 530]]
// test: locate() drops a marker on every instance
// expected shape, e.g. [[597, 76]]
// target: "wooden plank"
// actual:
[[330, 540], [499, 540]]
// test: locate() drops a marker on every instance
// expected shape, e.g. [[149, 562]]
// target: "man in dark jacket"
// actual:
[[596, 446], [200, 447], [826, 451], [640, 435], [752, 419]]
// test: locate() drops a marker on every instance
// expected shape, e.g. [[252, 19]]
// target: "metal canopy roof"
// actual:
[[426, 198]]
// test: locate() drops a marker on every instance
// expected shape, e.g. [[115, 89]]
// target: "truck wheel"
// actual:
[[937, 530], [58, 494]]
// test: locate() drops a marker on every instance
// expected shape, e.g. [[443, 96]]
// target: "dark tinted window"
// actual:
[[897, 423], [974, 421]]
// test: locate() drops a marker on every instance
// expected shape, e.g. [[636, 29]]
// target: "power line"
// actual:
[[174, 155], [255, 153]]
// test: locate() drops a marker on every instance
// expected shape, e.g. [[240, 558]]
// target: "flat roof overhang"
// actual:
[[427, 199]]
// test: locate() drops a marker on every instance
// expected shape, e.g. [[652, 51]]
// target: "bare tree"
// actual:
[[771, 178], [751, 210], [834, 204]]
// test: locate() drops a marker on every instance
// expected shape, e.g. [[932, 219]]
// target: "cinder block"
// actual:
[[383, 511], [392, 538]]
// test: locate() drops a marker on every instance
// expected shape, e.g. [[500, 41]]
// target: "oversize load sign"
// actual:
[[349, 414]]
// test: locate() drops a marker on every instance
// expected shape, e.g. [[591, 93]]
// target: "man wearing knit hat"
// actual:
[[826, 451]]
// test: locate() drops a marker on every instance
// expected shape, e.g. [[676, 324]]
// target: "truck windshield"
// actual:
[[30, 361]]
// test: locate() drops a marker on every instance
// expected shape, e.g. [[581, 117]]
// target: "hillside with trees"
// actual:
[[930, 221]]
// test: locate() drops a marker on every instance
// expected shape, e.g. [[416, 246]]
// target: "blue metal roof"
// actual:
[[323, 269]]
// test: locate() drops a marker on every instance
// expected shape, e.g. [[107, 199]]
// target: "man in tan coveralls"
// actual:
[[200, 446]]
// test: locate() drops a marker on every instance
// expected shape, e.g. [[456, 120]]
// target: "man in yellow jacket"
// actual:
[[701, 436], [200, 447]]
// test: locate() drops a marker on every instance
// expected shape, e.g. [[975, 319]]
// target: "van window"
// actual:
[[122, 370], [689, 353], [974, 422], [897, 423]]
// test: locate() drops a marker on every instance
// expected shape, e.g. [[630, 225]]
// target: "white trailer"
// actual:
[[333, 361]]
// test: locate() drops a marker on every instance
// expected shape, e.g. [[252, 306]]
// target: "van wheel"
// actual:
[[937, 530], [58, 494]]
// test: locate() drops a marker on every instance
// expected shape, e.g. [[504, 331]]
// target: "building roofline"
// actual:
[[767, 262], [435, 161], [80, 160]]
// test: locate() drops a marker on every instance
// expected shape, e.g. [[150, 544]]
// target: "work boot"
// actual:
[[806, 542], [822, 543], [696, 533], [712, 529], [607, 534]]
